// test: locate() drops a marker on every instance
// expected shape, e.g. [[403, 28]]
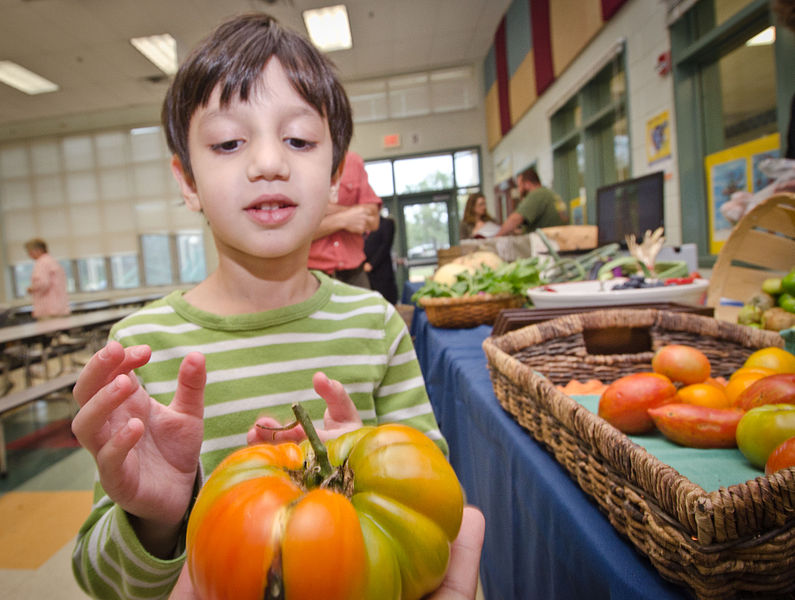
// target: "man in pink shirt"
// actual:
[[338, 247], [48, 283]]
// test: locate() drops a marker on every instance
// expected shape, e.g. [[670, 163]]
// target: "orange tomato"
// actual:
[[774, 358], [743, 371], [681, 363], [739, 383], [703, 394]]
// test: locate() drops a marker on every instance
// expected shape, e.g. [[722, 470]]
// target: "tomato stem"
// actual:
[[321, 454]]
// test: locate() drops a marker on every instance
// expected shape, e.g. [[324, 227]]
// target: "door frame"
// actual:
[[396, 206]]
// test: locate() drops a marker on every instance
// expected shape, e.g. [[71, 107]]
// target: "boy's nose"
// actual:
[[268, 160]]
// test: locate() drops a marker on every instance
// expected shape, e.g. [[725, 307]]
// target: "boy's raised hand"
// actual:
[[340, 416], [147, 453]]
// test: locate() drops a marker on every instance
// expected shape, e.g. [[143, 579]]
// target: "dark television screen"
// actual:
[[631, 206]]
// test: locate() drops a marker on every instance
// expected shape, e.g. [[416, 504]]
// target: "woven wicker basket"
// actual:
[[468, 311], [734, 541], [762, 245]]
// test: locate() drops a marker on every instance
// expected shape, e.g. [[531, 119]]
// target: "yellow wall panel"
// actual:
[[493, 129], [572, 24], [523, 88]]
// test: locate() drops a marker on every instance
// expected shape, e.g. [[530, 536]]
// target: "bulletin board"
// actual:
[[732, 170]]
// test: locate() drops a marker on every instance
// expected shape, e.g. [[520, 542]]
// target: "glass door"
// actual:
[[424, 225]]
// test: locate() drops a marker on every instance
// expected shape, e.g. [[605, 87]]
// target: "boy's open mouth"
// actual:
[[271, 211]]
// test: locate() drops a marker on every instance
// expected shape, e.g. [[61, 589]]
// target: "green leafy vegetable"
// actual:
[[511, 278]]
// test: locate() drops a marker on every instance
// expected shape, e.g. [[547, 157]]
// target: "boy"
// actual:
[[259, 125]]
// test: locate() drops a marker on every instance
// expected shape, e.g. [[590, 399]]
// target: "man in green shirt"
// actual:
[[539, 207]]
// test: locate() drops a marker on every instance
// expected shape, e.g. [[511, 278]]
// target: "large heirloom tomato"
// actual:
[[373, 520]]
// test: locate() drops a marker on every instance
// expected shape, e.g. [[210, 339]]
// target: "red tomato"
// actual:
[[626, 401], [773, 389], [782, 457], [698, 426]]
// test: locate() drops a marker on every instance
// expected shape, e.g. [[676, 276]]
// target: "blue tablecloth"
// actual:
[[545, 538]]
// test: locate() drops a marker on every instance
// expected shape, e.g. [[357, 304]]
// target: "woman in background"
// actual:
[[476, 216], [47, 283]]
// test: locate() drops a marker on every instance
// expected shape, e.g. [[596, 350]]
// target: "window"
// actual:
[[424, 174], [729, 91], [92, 275], [68, 268], [745, 96], [426, 229], [22, 275], [156, 253], [124, 271], [590, 135], [426, 194], [107, 187], [190, 253], [413, 95], [379, 175], [467, 168]]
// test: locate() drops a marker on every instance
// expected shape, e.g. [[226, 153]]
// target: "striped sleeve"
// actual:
[[109, 562], [402, 396]]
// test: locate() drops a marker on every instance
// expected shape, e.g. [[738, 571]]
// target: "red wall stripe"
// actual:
[[501, 56], [542, 44], [610, 7]]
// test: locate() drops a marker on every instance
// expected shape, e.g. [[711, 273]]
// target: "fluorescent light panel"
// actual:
[[329, 28], [763, 38], [25, 81], [161, 50]]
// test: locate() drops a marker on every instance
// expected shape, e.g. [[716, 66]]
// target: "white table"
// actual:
[[48, 327], [45, 330]]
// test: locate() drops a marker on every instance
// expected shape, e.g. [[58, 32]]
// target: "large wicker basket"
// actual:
[[732, 542], [468, 311], [762, 245]]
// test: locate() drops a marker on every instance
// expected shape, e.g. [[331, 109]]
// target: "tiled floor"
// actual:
[[43, 462]]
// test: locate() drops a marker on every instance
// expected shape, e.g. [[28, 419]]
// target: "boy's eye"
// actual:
[[300, 144], [227, 146]]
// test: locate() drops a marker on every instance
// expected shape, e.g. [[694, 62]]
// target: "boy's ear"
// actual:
[[186, 184]]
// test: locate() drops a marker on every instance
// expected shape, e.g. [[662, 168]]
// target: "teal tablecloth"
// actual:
[[711, 469]]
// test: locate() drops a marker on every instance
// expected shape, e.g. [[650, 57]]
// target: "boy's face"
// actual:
[[261, 170]]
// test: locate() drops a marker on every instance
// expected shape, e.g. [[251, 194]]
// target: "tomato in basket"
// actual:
[[626, 401]]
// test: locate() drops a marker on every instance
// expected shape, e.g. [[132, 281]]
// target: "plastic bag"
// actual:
[[782, 173]]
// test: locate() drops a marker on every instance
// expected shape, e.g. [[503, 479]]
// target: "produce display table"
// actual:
[[545, 538]]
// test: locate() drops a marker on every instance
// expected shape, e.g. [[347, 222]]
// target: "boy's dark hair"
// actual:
[[233, 57], [531, 175]]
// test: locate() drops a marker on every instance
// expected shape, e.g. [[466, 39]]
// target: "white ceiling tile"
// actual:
[[83, 44]]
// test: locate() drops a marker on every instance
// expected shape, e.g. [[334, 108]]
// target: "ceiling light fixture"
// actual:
[[25, 81], [763, 38], [329, 28], [161, 50]]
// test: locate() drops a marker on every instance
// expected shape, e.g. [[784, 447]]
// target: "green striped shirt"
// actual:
[[257, 364]]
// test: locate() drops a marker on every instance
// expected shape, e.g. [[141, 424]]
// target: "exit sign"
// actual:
[[392, 140]]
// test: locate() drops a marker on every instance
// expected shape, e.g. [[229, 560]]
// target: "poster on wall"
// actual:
[[658, 138], [577, 211], [733, 170]]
